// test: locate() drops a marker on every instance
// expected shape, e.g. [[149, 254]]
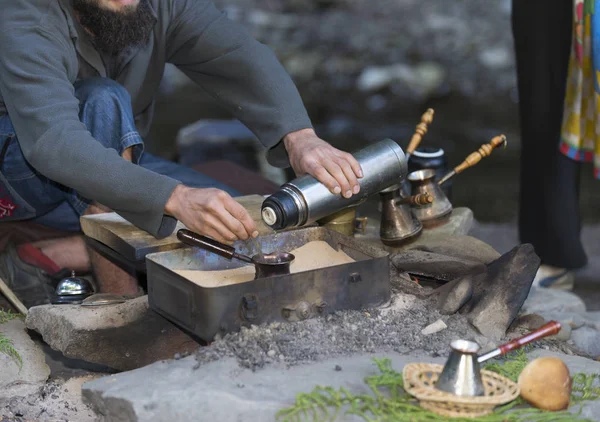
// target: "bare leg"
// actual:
[[73, 253], [67, 252], [111, 278]]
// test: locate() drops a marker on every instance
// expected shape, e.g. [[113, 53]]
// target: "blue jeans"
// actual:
[[105, 109]]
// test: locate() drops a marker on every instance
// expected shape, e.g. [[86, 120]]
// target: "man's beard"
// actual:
[[115, 31]]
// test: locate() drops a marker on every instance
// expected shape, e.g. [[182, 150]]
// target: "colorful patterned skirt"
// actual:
[[581, 121]]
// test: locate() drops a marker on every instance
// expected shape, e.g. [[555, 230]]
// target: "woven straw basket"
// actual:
[[420, 379]]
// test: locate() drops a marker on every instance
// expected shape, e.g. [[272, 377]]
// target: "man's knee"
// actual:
[[96, 208], [102, 90]]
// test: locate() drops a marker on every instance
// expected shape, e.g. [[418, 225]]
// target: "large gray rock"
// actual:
[[499, 293], [16, 380], [452, 296], [491, 298], [222, 391], [592, 319], [546, 301], [441, 267], [464, 247], [460, 224], [123, 336], [573, 319], [586, 341]]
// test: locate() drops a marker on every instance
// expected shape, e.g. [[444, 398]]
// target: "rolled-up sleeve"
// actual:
[[35, 82], [242, 74]]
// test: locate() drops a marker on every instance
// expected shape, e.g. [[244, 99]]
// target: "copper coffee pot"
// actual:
[[422, 181], [398, 223]]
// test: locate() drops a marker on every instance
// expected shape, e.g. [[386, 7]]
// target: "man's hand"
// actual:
[[338, 170], [211, 212]]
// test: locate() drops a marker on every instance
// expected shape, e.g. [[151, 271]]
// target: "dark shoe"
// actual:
[[32, 285]]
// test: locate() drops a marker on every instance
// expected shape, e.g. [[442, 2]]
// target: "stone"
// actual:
[[460, 224], [529, 322], [16, 380], [452, 296], [375, 78], [429, 264], [123, 336], [586, 342], [499, 293], [495, 58], [551, 301], [304, 65], [172, 390], [449, 239], [565, 332], [592, 319], [464, 247], [420, 80], [436, 327], [573, 319]]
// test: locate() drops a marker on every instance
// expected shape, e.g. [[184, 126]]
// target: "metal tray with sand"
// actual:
[[207, 294]]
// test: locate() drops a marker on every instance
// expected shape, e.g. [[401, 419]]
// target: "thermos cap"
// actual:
[[269, 216]]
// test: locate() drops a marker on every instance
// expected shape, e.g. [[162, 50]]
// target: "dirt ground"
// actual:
[[58, 400]]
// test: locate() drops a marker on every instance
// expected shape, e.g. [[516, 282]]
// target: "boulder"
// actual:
[[499, 293], [122, 336], [544, 301]]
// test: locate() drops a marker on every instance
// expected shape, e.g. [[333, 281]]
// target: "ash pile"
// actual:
[[444, 287]]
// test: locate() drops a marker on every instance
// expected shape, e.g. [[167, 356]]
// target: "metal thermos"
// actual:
[[305, 200]]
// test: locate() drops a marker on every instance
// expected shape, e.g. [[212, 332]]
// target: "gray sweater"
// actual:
[[43, 50]]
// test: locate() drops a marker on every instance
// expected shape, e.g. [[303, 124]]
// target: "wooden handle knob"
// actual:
[[421, 130], [550, 329], [484, 151], [418, 200]]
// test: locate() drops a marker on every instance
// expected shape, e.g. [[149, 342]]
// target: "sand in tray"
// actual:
[[313, 255]]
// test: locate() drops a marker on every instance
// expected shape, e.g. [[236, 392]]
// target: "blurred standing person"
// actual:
[[549, 215]]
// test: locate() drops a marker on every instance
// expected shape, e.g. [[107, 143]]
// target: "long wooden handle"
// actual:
[[12, 298], [550, 329], [418, 200], [194, 239], [421, 130], [484, 151]]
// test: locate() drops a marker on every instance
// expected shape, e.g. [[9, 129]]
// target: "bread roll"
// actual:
[[545, 383]]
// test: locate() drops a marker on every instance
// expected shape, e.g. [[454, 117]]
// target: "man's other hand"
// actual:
[[309, 154], [211, 212]]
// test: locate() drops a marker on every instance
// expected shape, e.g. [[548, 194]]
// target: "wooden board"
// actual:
[[134, 244]]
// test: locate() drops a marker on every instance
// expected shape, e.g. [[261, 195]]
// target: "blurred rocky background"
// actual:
[[368, 70]]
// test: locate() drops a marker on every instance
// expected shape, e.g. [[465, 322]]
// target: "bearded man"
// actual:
[[78, 79]]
